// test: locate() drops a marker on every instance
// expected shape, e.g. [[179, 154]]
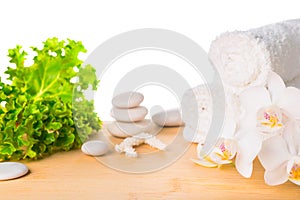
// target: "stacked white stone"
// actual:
[[129, 115]]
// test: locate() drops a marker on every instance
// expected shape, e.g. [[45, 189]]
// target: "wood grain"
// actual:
[[73, 175]]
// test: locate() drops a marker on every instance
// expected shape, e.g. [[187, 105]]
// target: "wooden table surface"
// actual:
[[73, 175]]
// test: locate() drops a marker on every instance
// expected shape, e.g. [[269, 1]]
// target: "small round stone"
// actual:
[[12, 170], [168, 118], [128, 100], [94, 148], [129, 115], [125, 129]]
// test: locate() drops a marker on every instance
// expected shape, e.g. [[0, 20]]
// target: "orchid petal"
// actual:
[[254, 98], [277, 176], [289, 101], [273, 153], [297, 138], [290, 135], [224, 162], [204, 163], [229, 127], [295, 181], [248, 147], [248, 121], [275, 86], [243, 167]]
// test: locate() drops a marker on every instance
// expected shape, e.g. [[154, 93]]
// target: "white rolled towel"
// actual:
[[244, 58], [197, 110], [196, 113]]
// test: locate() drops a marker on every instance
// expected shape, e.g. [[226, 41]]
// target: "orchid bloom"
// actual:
[[280, 156], [223, 153], [267, 110], [225, 149], [229, 147]]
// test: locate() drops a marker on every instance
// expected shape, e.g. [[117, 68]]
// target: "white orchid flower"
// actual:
[[229, 148], [267, 110], [223, 153], [224, 150], [280, 156]]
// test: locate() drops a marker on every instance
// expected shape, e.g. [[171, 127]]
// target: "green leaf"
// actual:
[[7, 148], [53, 126]]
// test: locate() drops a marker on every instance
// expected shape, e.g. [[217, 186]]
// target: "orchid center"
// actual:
[[224, 151], [295, 172], [269, 119]]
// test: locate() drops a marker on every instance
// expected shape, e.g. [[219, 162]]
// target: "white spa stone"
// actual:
[[94, 148], [128, 100], [168, 118], [125, 129], [129, 115], [12, 170]]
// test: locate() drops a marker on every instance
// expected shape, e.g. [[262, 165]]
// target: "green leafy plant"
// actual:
[[43, 109]]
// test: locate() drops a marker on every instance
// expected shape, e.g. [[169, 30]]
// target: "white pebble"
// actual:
[[168, 118], [128, 100], [129, 115], [125, 129], [94, 148], [12, 170]]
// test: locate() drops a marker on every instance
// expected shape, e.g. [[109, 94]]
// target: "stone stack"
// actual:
[[129, 115]]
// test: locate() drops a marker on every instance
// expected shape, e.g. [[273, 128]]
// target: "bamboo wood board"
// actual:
[[73, 175]]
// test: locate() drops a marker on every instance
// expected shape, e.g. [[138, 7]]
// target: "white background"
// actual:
[[32, 21]]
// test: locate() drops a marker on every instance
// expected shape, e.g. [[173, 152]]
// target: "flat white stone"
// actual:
[[126, 129], [12, 170], [128, 100], [168, 118], [129, 115], [94, 148]]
